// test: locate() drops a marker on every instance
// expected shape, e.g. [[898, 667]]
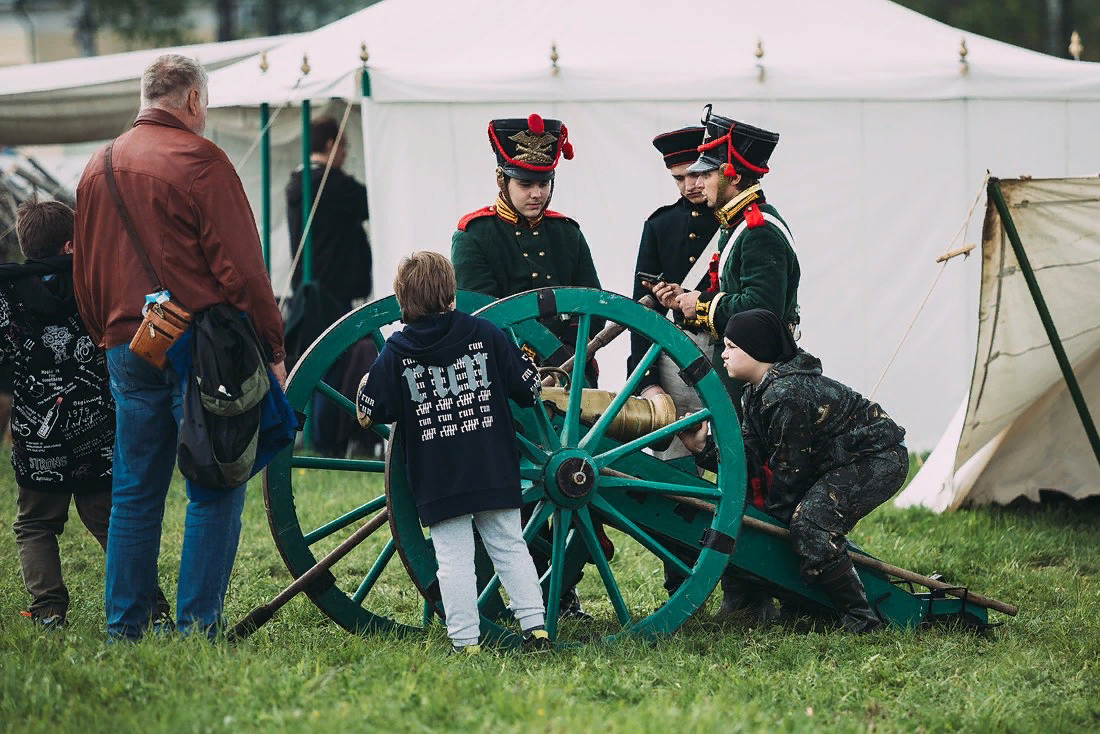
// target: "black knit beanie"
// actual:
[[761, 335]]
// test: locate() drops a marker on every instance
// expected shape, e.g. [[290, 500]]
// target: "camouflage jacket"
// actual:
[[803, 425]]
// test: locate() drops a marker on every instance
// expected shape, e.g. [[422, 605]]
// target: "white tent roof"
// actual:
[[482, 51], [1019, 431], [86, 99]]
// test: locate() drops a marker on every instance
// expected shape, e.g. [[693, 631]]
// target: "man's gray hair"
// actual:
[[168, 79]]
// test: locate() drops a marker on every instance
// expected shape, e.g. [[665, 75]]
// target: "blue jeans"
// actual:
[[148, 406]]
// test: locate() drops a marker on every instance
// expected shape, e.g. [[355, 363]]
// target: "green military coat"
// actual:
[[501, 258], [759, 269]]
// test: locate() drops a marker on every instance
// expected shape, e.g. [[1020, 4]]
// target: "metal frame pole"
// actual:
[[307, 197], [265, 185], [994, 191]]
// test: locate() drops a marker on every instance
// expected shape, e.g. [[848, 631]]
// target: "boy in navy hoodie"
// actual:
[[445, 379]]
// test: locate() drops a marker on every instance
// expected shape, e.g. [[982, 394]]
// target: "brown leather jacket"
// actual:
[[191, 212]]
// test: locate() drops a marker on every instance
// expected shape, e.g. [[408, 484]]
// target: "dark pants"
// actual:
[[40, 520], [837, 501]]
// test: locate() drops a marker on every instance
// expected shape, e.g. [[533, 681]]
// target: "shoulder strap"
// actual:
[[768, 218], [109, 170]]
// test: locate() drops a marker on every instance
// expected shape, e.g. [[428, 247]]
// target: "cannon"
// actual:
[[574, 476]]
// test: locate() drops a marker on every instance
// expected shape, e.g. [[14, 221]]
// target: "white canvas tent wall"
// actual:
[[1018, 431], [884, 142]]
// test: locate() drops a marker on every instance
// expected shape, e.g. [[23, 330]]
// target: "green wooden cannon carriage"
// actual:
[[574, 476]]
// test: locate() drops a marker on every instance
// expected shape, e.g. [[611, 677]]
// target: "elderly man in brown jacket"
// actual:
[[191, 215]]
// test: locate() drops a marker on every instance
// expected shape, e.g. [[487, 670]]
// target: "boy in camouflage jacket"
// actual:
[[825, 455]]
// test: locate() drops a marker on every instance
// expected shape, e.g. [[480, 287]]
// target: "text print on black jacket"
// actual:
[[445, 380]]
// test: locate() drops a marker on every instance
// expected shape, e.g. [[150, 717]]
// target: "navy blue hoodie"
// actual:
[[445, 380]]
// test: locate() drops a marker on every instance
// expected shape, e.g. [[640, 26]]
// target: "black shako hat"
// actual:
[[529, 149], [734, 147], [679, 146], [761, 335]]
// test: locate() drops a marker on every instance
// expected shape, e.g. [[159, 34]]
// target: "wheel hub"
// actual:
[[571, 478]]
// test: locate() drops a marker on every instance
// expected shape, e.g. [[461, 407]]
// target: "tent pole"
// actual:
[[265, 184], [307, 197], [995, 195]]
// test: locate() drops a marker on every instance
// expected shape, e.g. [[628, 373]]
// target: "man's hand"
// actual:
[[686, 303], [695, 439], [280, 373], [666, 293], [652, 391]]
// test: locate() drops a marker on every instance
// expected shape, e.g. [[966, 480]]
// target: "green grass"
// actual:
[[1039, 672]]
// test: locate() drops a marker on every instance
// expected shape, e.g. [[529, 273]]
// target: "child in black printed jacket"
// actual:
[[445, 379]]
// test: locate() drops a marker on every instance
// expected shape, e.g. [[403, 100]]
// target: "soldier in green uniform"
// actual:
[[755, 265], [517, 243], [752, 265]]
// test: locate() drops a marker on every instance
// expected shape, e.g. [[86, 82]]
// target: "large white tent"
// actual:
[[1018, 430], [886, 135], [92, 99]]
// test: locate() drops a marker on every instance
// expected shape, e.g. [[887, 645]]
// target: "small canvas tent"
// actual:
[[886, 133], [1020, 430]]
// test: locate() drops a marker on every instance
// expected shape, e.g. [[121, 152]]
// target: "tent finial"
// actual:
[[263, 63], [554, 58], [305, 64], [759, 54], [363, 55], [1076, 48], [964, 65]]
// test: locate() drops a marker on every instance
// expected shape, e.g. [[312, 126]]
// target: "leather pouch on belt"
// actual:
[[162, 326]]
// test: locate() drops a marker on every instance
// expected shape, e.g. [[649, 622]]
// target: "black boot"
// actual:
[[570, 606], [742, 597], [845, 590]]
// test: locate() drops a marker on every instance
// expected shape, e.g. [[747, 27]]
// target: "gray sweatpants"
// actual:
[[502, 536]]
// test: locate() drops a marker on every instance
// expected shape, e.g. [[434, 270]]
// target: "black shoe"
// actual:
[[570, 607], [845, 590], [537, 639], [744, 599], [54, 621]]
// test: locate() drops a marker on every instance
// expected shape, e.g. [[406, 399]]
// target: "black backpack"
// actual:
[[220, 425]]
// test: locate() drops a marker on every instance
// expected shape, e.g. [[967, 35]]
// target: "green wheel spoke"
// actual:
[[375, 571], [378, 339], [644, 485], [488, 592], [343, 521], [592, 438], [540, 544], [647, 541], [547, 434], [570, 435], [530, 450], [323, 462], [609, 457], [583, 523], [538, 518], [531, 473], [534, 493], [557, 570], [348, 407]]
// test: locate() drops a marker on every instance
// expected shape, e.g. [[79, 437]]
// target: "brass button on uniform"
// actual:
[[518, 233], [536, 233], [548, 276], [534, 275], [525, 254], [542, 254], [692, 236], [691, 259], [694, 213]]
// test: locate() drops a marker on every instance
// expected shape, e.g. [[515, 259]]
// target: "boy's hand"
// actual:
[[280, 373], [695, 439]]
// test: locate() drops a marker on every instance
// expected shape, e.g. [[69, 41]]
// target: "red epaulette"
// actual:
[[551, 214], [754, 217], [486, 211]]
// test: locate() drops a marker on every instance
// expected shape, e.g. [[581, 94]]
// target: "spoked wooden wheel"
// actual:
[[575, 475], [364, 592]]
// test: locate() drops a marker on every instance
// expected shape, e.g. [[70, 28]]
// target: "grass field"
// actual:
[[1038, 672]]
